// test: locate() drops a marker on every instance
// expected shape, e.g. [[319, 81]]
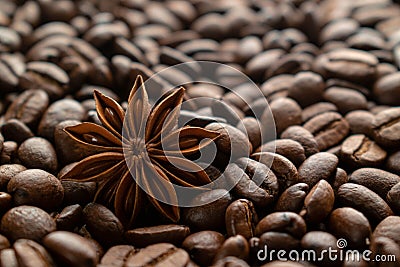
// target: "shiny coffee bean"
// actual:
[[202, 246], [389, 228], [117, 255], [288, 148], [393, 163], [69, 218], [287, 222], [230, 261], [320, 242], [292, 199], [317, 167], [360, 122], [236, 246], [317, 109], [393, 197], [286, 113], [7, 171], [241, 218], [387, 90], [303, 137], [385, 126]]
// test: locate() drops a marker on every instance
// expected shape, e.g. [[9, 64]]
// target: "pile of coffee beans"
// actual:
[[328, 181]]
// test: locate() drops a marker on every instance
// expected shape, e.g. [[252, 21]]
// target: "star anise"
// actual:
[[143, 148]]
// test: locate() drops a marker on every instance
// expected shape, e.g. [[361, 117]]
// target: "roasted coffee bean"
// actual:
[[36, 187], [318, 202], [102, 224], [351, 225], [328, 129], [307, 88], [241, 218], [28, 107], [278, 241], [69, 218], [38, 153], [10, 40], [7, 256], [389, 228], [236, 246], [252, 128], [317, 167], [377, 180], [27, 222], [292, 199], [319, 242], [365, 200], [360, 122], [393, 163], [211, 215], [345, 99], [172, 233], [31, 254], [78, 193], [385, 126], [162, 254], [12, 66], [9, 153], [360, 151], [303, 137], [202, 246], [287, 222], [339, 30], [8, 171], [226, 111], [230, 261], [286, 113], [257, 191], [117, 255], [61, 110], [387, 91], [384, 247], [70, 249], [317, 109], [393, 197], [339, 179], [288, 148], [283, 168], [278, 86], [5, 202], [15, 130]]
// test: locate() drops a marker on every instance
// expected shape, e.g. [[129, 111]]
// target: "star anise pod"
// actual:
[[143, 148]]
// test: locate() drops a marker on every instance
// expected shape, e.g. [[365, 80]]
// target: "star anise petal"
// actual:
[[110, 113], [91, 134]]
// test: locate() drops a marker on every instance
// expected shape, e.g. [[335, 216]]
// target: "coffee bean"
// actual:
[[102, 224], [12, 66], [252, 128], [389, 228], [288, 148], [287, 222], [317, 109], [307, 88], [279, 241], [318, 202], [9, 153], [31, 254], [317, 167], [393, 197], [27, 222], [286, 113], [10, 40], [77, 192], [328, 129], [230, 261], [360, 122], [345, 99], [28, 107], [15, 130], [61, 110], [117, 255], [36, 187], [351, 225], [241, 218], [277, 87], [282, 264], [162, 254], [202, 246], [70, 249], [236, 246], [319, 241], [365, 200], [385, 247], [387, 91], [38, 153], [303, 137], [339, 179], [339, 30], [393, 163], [69, 218], [7, 171], [172, 233], [226, 111], [260, 63], [385, 126], [292, 199], [8, 255], [377, 180]]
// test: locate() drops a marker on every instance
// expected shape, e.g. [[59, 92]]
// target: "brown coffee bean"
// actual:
[[339, 179], [227, 111], [70, 249], [4, 243], [7, 171], [365, 200], [317, 167], [102, 224], [5, 202], [9, 153], [12, 66], [393, 163], [260, 63], [10, 40], [230, 261], [307, 88], [38, 153], [69, 218], [236, 246], [393, 197], [292, 199], [202, 246], [360, 151], [351, 225], [320, 242], [317, 109], [277, 87], [7, 256], [360, 122], [211, 215], [245, 187], [172, 233], [286, 113], [383, 247], [15, 130], [287, 222], [283, 168], [27, 222], [389, 228], [36, 187], [303, 137], [278, 241], [385, 126], [288, 148], [387, 91], [291, 63], [78, 193], [318, 202], [345, 99], [241, 218], [328, 129], [28, 107], [31, 254], [117, 255], [252, 128], [377, 180], [339, 30], [162, 254]]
